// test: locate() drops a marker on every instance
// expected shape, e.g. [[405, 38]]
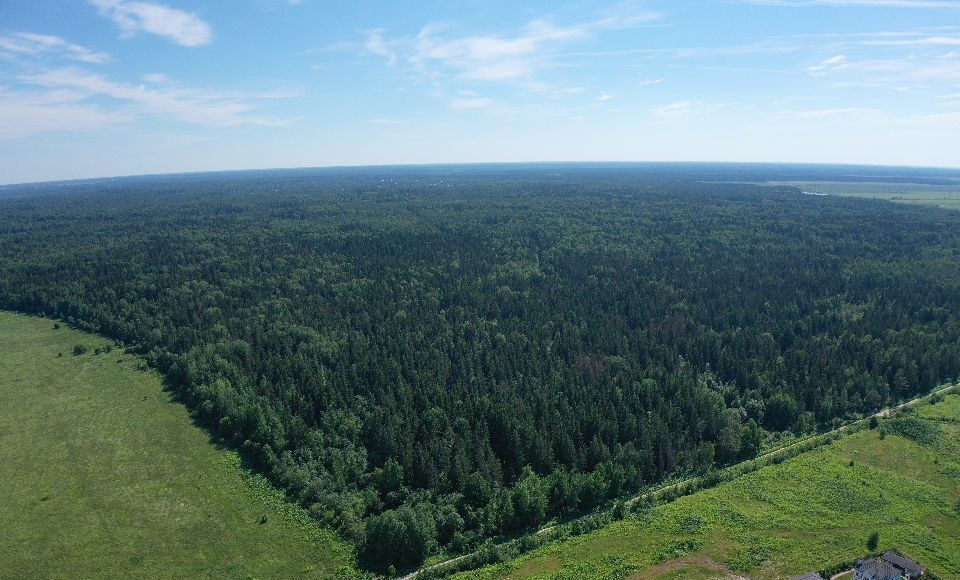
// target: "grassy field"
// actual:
[[940, 196], [811, 512], [103, 476]]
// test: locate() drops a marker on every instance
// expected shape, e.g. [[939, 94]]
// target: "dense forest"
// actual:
[[431, 357]]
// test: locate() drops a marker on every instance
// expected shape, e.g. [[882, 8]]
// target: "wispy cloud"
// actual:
[[943, 4], [462, 103], [375, 44], [828, 63], [685, 109], [492, 58], [895, 70], [23, 114], [388, 121], [188, 105], [20, 44], [436, 50], [183, 28], [925, 41], [843, 111], [937, 119]]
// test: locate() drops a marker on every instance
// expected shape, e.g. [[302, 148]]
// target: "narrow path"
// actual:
[[630, 501]]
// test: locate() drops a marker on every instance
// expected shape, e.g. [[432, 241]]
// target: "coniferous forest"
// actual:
[[431, 357]]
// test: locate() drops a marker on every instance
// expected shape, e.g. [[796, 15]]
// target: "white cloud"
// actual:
[[945, 4], [388, 121], [183, 28], [845, 111], [494, 57], [830, 62], [198, 107], [377, 45], [471, 103], [156, 78], [896, 71], [926, 41], [23, 114], [604, 96], [685, 109], [31, 44], [940, 119]]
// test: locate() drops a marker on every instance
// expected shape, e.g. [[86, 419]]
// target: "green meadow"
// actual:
[[808, 513], [945, 196], [103, 475]]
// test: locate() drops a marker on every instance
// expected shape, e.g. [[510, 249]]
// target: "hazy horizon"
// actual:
[[902, 174]]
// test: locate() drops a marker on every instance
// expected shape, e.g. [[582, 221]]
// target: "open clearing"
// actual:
[[945, 196], [102, 475], [810, 512]]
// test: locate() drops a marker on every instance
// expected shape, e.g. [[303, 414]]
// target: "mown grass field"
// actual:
[[808, 513], [946, 200], [941, 196], [102, 475]]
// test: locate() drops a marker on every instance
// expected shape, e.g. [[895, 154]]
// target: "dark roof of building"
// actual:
[[905, 564], [808, 576], [877, 569]]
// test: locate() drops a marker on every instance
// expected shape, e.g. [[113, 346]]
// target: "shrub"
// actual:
[[915, 429], [79, 349], [873, 540], [400, 537], [619, 511]]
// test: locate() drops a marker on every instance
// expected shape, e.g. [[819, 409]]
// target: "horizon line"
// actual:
[[77, 180]]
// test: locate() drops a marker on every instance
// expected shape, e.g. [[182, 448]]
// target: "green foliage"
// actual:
[[807, 513], [781, 412], [390, 478], [913, 428], [178, 506], [79, 349], [751, 440], [529, 499], [477, 490], [399, 538], [371, 341], [873, 540]]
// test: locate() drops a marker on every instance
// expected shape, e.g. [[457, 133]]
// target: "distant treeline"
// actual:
[[433, 359]]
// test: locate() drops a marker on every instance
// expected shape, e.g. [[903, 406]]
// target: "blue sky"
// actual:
[[115, 87]]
